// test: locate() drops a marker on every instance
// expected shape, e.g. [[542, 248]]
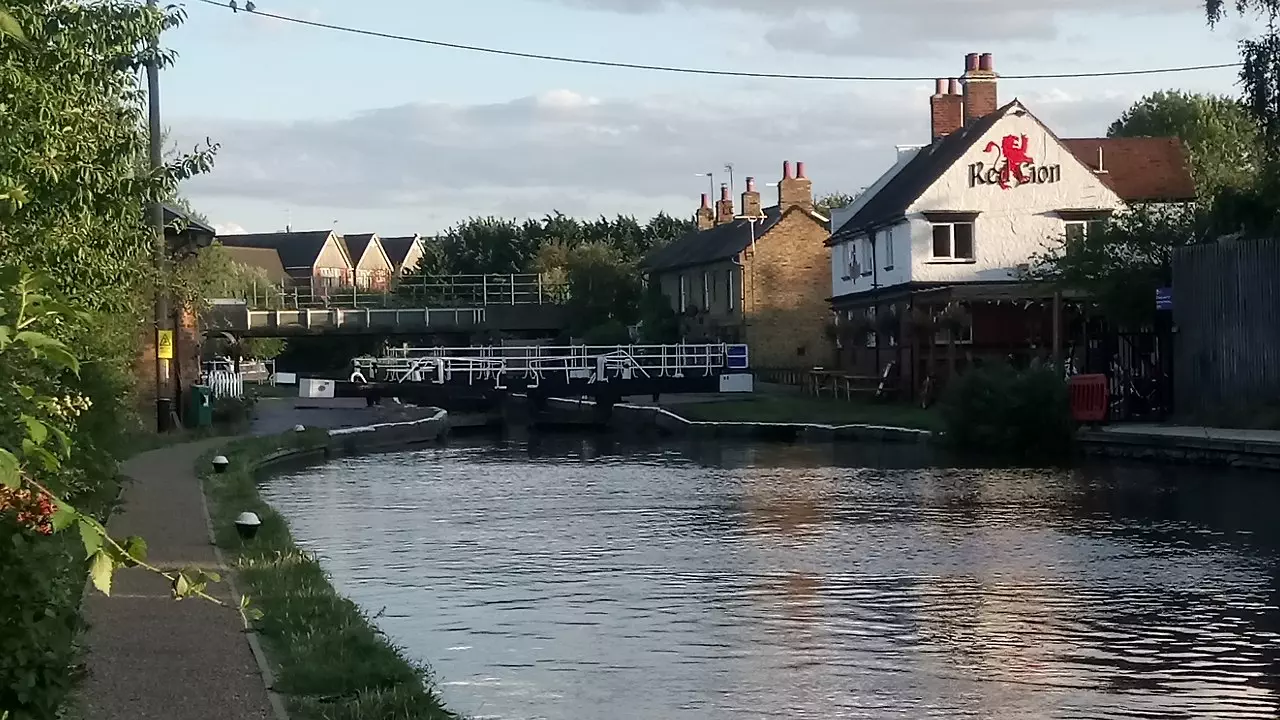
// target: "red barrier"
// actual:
[[1089, 398]]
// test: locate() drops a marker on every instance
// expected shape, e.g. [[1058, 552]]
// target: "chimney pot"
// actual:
[[971, 62], [724, 191], [800, 170], [986, 62], [953, 87], [940, 86], [786, 169], [706, 200], [751, 184]]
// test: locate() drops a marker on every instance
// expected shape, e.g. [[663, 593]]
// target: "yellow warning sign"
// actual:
[[164, 344]]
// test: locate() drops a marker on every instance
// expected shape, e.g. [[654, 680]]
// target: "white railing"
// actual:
[[592, 363], [225, 384]]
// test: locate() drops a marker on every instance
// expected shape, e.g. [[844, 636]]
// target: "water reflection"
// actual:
[[567, 578]]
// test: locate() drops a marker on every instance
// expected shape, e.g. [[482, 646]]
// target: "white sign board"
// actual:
[[284, 378], [737, 383], [313, 388]]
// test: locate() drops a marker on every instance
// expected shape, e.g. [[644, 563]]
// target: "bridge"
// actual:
[[605, 372], [524, 303]]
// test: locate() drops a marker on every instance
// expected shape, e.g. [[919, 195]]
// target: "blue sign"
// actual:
[[737, 357], [1164, 298]]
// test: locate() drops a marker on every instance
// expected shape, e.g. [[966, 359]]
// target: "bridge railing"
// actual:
[[408, 292], [591, 363]]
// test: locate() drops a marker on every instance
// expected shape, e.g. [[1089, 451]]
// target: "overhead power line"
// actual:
[[697, 71]]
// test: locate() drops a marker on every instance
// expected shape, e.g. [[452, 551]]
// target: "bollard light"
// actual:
[[220, 463], [299, 428], [247, 525]]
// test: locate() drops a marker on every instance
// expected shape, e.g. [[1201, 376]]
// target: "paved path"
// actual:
[[1260, 437], [148, 655]]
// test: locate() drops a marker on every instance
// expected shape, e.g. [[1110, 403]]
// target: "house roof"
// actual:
[[1139, 169], [266, 259], [357, 245], [718, 243], [298, 251], [398, 248], [917, 175], [175, 218]]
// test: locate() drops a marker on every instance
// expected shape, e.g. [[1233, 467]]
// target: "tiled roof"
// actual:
[[705, 246], [1139, 169], [357, 245], [267, 259], [916, 176], [398, 248], [298, 250]]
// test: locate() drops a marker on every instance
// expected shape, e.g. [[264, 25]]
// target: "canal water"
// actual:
[[571, 579]]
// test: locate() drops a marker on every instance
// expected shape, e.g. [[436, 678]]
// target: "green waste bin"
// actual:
[[201, 408]]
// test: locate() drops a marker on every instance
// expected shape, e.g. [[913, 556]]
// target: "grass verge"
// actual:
[[779, 408], [330, 662]]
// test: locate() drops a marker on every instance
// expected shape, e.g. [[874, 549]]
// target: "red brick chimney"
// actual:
[[706, 216], [751, 199], [980, 99], [796, 190], [947, 108], [724, 208]]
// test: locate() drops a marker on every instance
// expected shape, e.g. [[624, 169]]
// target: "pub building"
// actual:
[[928, 264]]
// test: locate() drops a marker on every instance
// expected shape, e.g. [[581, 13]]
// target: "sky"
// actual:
[[320, 129]]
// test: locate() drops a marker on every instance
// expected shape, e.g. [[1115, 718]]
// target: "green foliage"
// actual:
[[593, 264], [659, 324], [833, 201], [331, 662], [233, 411], [72, 199], [1120, 264], [1220, 134], [1260, 72], [1019, 415]]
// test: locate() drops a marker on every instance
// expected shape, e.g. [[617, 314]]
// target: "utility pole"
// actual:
[[164, 403]]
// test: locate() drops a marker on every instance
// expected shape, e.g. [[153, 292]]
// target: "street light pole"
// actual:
[[155, 216]]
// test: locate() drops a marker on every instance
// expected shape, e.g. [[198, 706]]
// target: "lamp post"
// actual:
[[155, 216]]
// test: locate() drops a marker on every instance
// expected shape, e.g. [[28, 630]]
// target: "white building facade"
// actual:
[[958, 222]]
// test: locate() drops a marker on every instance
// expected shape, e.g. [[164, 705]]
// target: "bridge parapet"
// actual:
[[415, 291]]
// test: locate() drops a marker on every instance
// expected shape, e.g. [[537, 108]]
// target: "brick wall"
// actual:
[[786, 283], [183, 369]]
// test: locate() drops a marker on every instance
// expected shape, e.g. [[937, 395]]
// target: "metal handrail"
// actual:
[[593, 363], [337, 291]]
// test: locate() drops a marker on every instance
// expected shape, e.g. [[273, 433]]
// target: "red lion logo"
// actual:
[[1013, 148]]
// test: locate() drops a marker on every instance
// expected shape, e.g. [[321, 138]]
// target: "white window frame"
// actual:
[[869, 253], [728, 281], [870, 314], [888, 249], [951, 242], [684, 292], [706, 289], [849, 259]]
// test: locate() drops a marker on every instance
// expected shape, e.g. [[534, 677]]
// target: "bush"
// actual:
[[610, 332], [233, 411], [1019, 415]]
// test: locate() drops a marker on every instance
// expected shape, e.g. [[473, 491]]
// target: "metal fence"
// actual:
[[320, 291], [1226, 303]]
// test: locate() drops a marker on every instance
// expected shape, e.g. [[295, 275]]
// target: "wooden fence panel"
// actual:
[[1226, 306]]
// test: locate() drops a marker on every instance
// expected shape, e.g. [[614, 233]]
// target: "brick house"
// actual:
[[934, 253], [403, 252], [316, 259], [372, 267], [760, 277]]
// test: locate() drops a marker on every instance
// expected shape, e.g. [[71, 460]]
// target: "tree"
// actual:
[[834, 201], [1260, 72], [1220, 133], [1121, 263], [72, 200]]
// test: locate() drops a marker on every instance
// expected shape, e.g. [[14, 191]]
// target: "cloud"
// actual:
[[229, 229], [896, 28], [423, 167]]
